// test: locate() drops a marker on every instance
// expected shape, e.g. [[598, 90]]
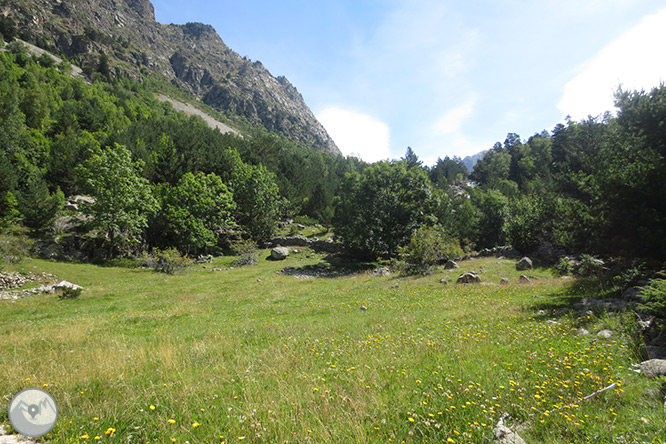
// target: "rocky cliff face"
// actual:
[[191, 56]]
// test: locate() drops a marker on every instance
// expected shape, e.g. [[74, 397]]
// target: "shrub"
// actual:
[[13, 250], [563, 267], [70, 293], [165, 261], [249, 257], [590, 266], [247, 252], [427, 247], [654, 297]]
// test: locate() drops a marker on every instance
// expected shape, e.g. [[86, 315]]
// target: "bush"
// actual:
[[70, 293], [250, 257], [654, 297], [13, 250], [428, 246], [564, 267], [166, 261], [590, 266], [247, 252]]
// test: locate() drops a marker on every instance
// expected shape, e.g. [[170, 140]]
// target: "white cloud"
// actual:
[[357, 134], [632, 61], [452, 120]]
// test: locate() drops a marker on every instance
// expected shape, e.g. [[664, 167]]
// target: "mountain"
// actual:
[[470, 161], [122, 38]]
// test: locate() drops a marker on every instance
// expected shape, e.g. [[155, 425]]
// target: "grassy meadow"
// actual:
[[247, 354]]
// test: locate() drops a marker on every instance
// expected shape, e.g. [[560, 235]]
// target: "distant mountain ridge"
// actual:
[[123, 38], [470, 161]]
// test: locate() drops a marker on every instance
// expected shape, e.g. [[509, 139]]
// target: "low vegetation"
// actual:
[[248, 354]]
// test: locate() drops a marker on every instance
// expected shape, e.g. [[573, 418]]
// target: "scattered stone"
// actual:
[[300, 226], [541, 313], [504, 281], [552, 322], [279, 253], [654, 368], [395, 286], [524, 279], [469, 278], [606, 334], [204, 259], [381, 271], [445, 280], [451, 265], [9, 281], [524, 264], [582, 332], [258, 280], [363, 308], [504, 435], [217, 269]]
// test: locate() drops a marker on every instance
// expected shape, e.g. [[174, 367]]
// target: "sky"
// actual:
[[447, 78]]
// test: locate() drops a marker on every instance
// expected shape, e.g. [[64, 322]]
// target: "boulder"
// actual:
[[445, 280], [606, 334], [469, 278], [451, 265], [504, 281], [381, 271], [502, 434], [582, 332], [654, 368], [279, 253], [524, 279], [524, 264]]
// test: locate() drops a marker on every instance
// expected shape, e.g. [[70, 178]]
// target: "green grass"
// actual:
[[247, 354]]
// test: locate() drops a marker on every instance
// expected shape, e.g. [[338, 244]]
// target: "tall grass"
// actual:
[[247, 354]]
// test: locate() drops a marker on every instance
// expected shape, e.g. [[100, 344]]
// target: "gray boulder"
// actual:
[[606, 334], [445, 280], [279, 253], [451, 264], [654, 368], [502, 434], [381, 271], [524, 264], [469, 278]]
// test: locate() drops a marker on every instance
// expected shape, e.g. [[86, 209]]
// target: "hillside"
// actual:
[[122, 38]]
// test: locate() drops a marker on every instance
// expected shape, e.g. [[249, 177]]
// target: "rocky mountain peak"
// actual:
[[192, 56]]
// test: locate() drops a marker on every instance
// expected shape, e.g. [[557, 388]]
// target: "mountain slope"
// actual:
[[122, 38]]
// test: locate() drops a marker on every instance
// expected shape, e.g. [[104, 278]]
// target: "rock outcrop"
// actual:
[[191, 56]]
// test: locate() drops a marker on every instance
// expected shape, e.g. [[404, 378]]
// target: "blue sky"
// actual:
[[444, 77]]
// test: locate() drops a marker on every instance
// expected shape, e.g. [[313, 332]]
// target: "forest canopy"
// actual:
[[162, 179]]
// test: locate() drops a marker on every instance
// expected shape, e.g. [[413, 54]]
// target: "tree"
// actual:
[[492, 206], [377, 210], [38, 206], [123, 199], [193, 212], [257, 199], [411, 158]]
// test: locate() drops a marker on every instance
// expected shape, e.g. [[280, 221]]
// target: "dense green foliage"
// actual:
[[61, 136], [592, 186], [378, 210]]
